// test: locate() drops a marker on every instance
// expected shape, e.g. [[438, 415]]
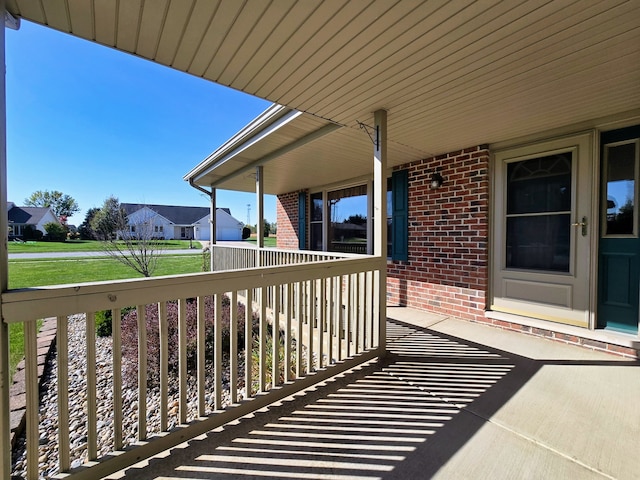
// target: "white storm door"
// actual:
[[542, 230]]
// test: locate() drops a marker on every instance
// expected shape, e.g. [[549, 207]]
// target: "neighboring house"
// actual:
[[184, 223], [22, 217]]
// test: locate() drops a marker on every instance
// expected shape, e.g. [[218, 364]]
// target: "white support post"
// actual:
[[5, 428], [212, 228], [259, 212], [380, 223]]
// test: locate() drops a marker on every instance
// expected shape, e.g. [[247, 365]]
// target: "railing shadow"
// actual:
[[404, 417]]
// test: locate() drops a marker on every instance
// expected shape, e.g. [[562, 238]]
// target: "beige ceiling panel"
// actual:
[[245, 23], [57, 14], [129, 18], [198, 23], [219, 27], [438, 58], [270, 20], [381, 53], [106, 21], [151, 27], [31, 9], [388, 62], [174, 28], [325, 50], [582, 68], [306, 30], [278, 38], [79, 11], [516, 58]]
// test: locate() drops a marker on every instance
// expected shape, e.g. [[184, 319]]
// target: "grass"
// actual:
[[83, 246], [34, 273], [16, 344], [268, 241]]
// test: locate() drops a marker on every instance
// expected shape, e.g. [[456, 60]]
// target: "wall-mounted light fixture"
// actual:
[[436, 179]]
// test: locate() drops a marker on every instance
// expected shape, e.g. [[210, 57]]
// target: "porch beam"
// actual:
[[380, 221], [212, 227], [260, 208], [5, 428]]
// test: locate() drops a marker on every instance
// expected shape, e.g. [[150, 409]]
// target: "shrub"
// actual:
[[104, 319], [246, 233], [55, 232], [130, 336], [206, 260]]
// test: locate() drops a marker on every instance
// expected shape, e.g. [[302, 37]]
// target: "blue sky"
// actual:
[[92, 122]]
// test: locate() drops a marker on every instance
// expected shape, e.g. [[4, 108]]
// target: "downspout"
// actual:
[[212, 220]]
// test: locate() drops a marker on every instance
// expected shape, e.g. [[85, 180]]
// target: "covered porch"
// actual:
[[363, 89]]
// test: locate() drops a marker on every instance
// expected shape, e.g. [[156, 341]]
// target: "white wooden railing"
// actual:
[[329, 313], [232, 257]]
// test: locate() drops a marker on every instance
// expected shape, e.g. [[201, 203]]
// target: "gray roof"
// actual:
[[175, 214], [27, 215]]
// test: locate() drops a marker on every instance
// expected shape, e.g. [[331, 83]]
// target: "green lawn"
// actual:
[[84, 246], [33, 273], [268, 241]]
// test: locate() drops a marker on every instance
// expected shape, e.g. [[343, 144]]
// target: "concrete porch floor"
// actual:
[[453, 399]]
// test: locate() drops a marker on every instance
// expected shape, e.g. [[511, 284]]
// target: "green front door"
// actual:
[[619, 251]]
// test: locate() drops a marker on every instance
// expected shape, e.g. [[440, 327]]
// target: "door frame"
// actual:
[[586, 144]]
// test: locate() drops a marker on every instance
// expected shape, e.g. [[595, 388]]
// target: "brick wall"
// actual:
[[447, 270], [287, 220]]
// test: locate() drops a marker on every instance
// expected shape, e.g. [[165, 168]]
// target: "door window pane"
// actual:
[[621, 181], [539, 213]]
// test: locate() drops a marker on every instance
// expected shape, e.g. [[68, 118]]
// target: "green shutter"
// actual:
[[302, 220], [400, 215]]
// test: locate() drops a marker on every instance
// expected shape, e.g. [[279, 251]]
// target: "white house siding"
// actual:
[[46, 218], [164, 227]]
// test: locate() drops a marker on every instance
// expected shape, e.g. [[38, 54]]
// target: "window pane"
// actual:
[[316, 207], [348, 227], [539, 242], [539, 185], [621, 161]]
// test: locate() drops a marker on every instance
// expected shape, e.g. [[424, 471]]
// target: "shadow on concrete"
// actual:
[[404, 417]]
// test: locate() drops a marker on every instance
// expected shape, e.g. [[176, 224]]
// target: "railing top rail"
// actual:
[[39, 302], [289, 251]]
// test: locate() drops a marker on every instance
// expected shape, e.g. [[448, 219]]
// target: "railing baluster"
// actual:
[[311, 300], [62, 349], [287, 331], [116, 352], [217, 352], [322, 317], [200, 345], [182, 361], [330, 318], [163, 332], [263, 340], [299, 335], [348, 314], [92, 433], [369, 317], [363, 306], [32, 397], [233, 347], [142, 372], [275, 337], [356, 313], [248, 344]]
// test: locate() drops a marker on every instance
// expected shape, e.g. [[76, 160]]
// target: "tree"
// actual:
[[129, 239], [85, 229], [109, 219], [61, 204]]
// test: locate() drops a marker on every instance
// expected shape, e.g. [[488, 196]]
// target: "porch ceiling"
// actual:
[[452, 74]]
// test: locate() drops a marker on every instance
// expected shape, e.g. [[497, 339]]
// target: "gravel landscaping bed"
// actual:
[[48, 451]]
